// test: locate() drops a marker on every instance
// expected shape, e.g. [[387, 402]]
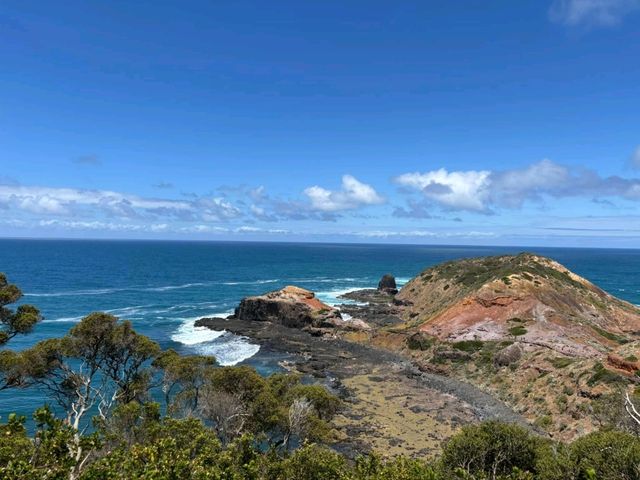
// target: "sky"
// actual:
[[462, 122]]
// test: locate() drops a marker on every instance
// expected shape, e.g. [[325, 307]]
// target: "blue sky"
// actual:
[[423, 122]]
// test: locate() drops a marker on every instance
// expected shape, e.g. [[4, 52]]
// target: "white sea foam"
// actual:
[[62, 320], [331, 297], [73, 293], [188, 334], [105, 291], [229, 349], [255, 282]]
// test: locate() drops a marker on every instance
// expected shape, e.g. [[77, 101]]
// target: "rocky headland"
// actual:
[[515, 338]]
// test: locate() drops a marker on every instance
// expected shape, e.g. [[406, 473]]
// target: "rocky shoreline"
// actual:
[[391, 405]]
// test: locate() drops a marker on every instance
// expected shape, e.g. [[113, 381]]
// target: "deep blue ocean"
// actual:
[[163, 287]]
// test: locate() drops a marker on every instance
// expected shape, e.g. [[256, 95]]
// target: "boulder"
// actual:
[[291, 306], [387, 284], [508, 355]]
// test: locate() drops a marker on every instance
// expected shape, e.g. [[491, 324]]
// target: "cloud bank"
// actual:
[[485, 191]]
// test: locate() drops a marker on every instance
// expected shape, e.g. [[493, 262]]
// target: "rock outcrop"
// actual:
[[387, 284], [508, 355], [291, 306]]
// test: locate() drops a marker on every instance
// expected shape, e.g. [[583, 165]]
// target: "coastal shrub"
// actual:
[[312, 462], [609, 335], [602, 375], [489, 450], [420, 341], [469, 346], [372, 467], [603, 455], [544, 422], [517, 331], [561, 362]]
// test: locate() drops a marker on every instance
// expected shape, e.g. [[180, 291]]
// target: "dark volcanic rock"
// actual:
[[292, 307], [387, 284], [209, 322]]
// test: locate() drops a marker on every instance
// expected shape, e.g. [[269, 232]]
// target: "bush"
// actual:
[[517, 331], [419, 341], [469, 346], [490, 449]]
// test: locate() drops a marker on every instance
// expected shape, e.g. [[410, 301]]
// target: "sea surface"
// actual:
[[163, 287]]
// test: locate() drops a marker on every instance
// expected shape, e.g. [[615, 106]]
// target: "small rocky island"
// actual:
[[514, 338]]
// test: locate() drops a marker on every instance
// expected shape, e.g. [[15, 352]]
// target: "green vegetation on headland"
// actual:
[[229, 423]]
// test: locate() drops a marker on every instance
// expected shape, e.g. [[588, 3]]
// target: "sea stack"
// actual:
[[387, 284]]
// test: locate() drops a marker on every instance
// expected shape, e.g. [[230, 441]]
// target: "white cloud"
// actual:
[[102, 226], [71, 202], [421, 234], [591, 13], [482, 191], [353, 194], [456, 190]]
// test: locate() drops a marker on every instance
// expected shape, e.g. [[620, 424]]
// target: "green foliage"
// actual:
[[420, 341], [545, 421], [490, 449], [517, 331], [611, 336], [13, 323], [602, 375], [609, 454], [561, 362], [372, 467], [474, 272], [314, 463], [469, 346], [183, 378]]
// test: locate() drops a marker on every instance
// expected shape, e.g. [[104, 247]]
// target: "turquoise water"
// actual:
[[163, 287]]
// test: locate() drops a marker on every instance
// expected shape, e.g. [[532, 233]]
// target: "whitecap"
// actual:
[[230, 349], [62, 320], [188, 334], [255, 282], [72, 293], [174, 287], [331, 297]]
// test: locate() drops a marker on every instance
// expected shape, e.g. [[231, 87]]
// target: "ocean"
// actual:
[[163, 287]]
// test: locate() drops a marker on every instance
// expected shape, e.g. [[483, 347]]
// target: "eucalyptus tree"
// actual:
[[12, 323], [99, 364]]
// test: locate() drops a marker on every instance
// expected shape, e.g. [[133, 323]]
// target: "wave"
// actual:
[[63, 320], [105, 291], [331, 297], [255, 282], [188, 334], [230, 350], [329, 280], [97, 291], [174, 287]]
